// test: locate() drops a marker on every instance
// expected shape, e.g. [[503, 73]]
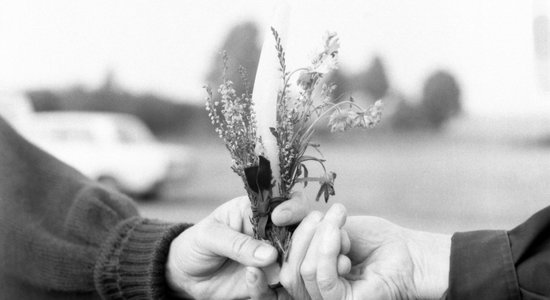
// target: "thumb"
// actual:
[[239, 247], [256, 282], [257, 286], [378, 287]]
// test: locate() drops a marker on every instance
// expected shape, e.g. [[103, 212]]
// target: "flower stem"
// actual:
[[335, 106], [318, 179], [287, 78]]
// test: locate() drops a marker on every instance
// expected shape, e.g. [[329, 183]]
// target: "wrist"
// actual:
[[136, 251], [431, 256], [174, 274]]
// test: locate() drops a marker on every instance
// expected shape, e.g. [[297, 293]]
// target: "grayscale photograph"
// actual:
[[275, 149]]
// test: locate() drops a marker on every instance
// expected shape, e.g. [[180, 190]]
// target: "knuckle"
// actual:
[[285, 278], [299, 195], [314, 216], [344, 264], [326, 284], [239, 244], [308, 272], [327, 228]]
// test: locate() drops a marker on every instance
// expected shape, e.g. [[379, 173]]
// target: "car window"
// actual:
[[131, 132], [70, 135]]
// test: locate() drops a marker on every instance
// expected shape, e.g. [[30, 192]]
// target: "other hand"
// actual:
[[207, 261], [387, 262]]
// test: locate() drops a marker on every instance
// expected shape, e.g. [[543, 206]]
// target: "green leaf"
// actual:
[[274, 132], [316, 147], [321, 191], [305, 173]]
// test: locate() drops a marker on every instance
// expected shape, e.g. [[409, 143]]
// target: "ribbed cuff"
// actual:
[[482, 267], [132, 261]]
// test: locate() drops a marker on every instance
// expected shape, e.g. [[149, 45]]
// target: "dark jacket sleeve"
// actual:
[[63, 234], [502, 264]]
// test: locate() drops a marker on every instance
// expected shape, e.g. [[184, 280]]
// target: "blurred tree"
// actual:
[[374, 80], [440, 102], [407, 115], [110, 82], [165, 116], [441, 98], [43, 100], [243, 49]]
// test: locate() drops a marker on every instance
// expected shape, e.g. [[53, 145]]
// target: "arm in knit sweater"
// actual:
[[62, 233]]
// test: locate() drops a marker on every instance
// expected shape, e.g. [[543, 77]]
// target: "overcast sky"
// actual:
[[167, 46]]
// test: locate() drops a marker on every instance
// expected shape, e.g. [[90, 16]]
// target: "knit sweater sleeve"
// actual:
[[62, 233]]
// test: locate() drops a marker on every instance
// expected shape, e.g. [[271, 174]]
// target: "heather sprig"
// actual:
[[234, 120]]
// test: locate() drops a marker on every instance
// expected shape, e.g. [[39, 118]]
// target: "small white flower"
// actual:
[[356, 119], [373, 114], [339, 121]]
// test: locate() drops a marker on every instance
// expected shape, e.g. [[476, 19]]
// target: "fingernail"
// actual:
[[263, 252], [251, 277], [284, 216]]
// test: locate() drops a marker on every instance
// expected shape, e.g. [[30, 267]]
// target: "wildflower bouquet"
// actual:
[[270, 180]]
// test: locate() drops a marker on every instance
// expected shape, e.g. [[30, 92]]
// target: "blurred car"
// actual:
[[115, 149], [16, 108]]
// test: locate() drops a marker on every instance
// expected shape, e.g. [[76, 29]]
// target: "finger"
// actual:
[[291, 211], [334, 218], [272, 274], [290, 272], [345, 243], [308, 269], [376, 287], [235, 214], [329, 284], [344, 265], [301, 238], [336, 215], [257, 286], [239, 247], [282, 294]]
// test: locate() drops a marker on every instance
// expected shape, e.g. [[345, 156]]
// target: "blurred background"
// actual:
[[114, 88]]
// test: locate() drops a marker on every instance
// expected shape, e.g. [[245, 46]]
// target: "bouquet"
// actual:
[[302, 101]]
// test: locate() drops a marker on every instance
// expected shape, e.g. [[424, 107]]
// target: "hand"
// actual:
[[207, 261], [388, 262], [302, 238]]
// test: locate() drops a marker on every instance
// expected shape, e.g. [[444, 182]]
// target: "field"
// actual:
[[466, 178]]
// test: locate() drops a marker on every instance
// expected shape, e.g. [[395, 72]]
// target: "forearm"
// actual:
[[133, 259], [496, 264], [61, 232]]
